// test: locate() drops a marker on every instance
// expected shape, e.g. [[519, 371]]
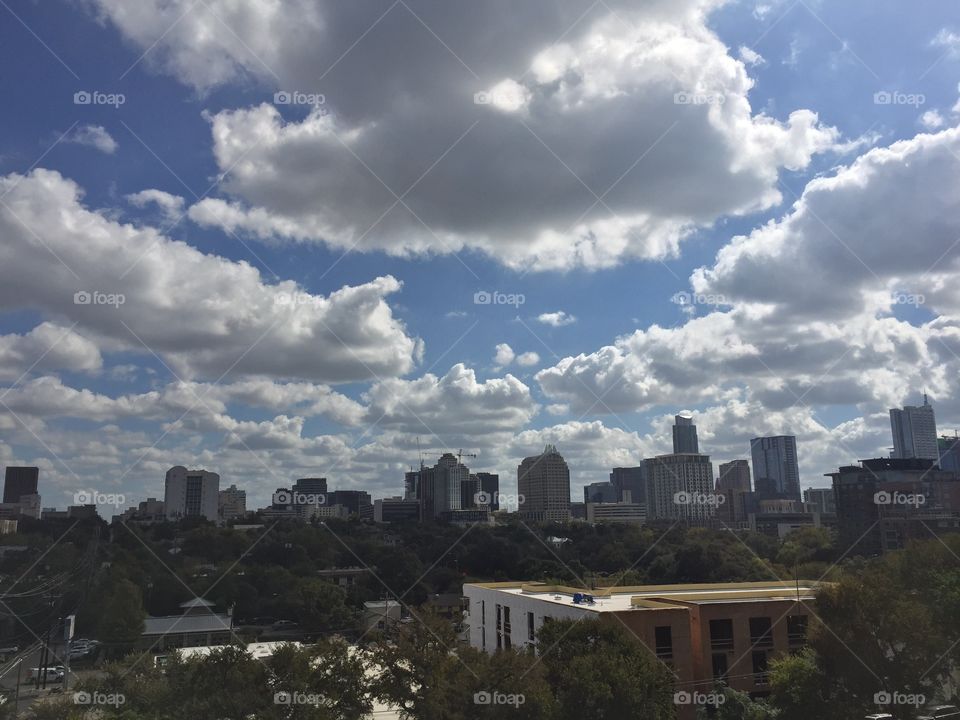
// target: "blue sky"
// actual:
[[584, 98]]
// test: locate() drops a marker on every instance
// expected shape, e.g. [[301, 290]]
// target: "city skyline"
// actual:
[[275, 257]]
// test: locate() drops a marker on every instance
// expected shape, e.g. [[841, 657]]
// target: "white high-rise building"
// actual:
[[680, 487], [543, 481], [915, 432], [191, 493]]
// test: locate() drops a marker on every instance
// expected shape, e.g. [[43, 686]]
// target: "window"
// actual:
[[797, 629], [760, 633], [760, 676], [531, 627], [663, 642], [483, 612], [506, 620], [499, 618], [499, 640], [721, 634], [720, 666]]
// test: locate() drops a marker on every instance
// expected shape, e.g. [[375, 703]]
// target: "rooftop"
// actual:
[[207, 622], [640, 597]]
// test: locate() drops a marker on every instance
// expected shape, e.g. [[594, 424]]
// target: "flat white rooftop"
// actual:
[[653, 596]]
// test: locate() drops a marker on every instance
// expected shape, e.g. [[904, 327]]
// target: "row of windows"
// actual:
[[761, 632]]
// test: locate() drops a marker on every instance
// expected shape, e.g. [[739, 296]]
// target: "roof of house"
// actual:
[[168, 624]]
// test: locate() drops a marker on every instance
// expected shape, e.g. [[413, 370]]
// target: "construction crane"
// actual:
[[461, 454]]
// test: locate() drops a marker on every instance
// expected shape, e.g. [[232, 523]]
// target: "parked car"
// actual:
[[54, 674], [940, 711]]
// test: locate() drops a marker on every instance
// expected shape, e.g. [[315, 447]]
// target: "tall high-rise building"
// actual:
[[19, 481], [600, 492], [411, 485], [441, 488], [544, 482], [684, 435], [490, 487], [949, 451], [631, 482], [469, 489], [734, 475], [680, 487], [914, 432], [191, 493], [310, 486], [776, 473], [232, 503]]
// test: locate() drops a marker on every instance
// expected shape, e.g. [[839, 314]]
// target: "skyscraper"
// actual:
[[440, 488], [191, 493], [680, 487], [949, 450], [632, 480], [776, 473], [684, 435], [914, 432], [233, 503], [734, 475], [544, 482], [490, 486], [600, 492], [19, 481]]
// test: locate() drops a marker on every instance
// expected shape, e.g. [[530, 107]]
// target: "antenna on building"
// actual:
[[419, 452], [925, 401]]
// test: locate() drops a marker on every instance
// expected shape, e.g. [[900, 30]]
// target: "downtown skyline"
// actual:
[[212, 274]]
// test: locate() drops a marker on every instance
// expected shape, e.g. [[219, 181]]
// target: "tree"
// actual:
[[597, 670], [121, 621]]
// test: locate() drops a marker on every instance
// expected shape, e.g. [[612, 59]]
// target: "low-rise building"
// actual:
[[198, 625], [706, 633], [620, 512]]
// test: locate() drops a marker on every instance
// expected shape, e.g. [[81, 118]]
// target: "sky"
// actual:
[[294, 239]]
